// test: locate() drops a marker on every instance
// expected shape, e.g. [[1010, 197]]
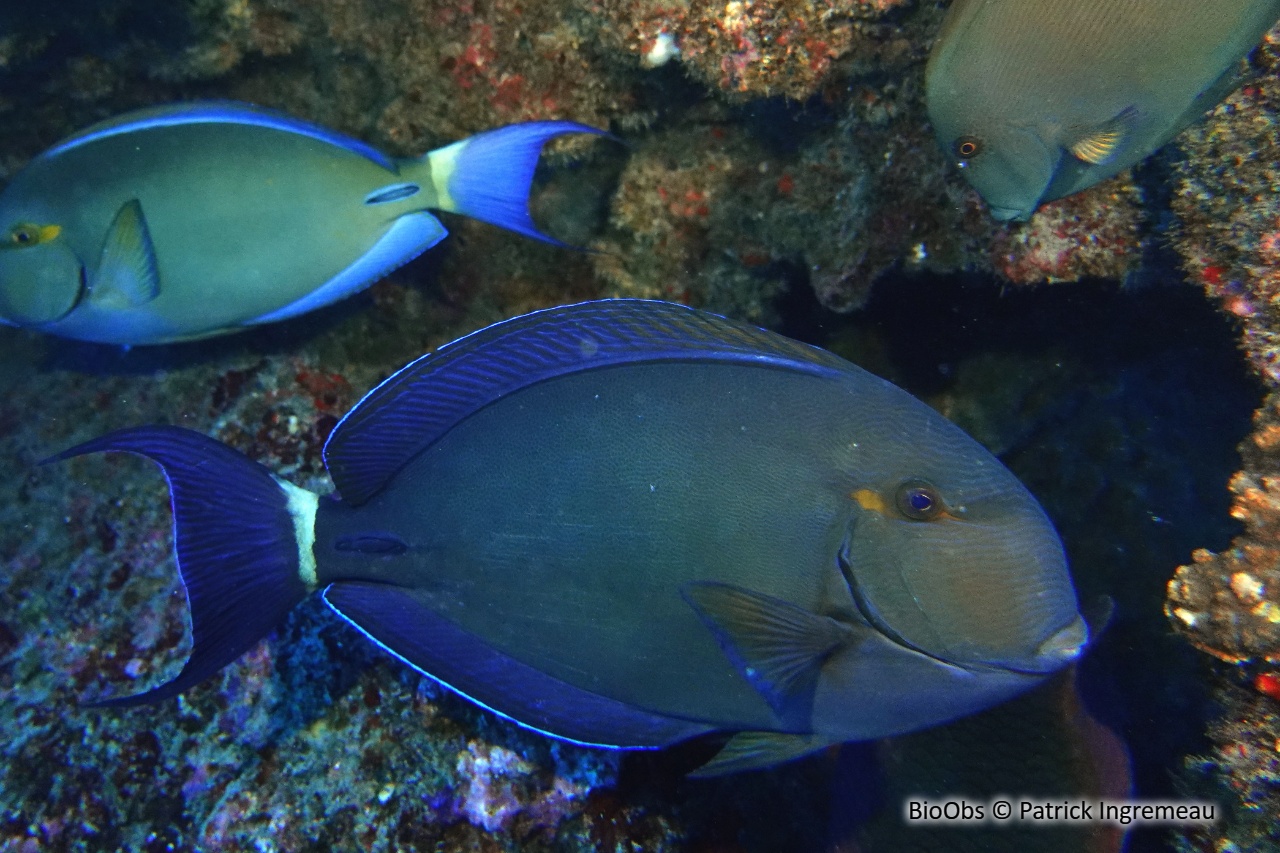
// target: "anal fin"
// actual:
[[754, 750], [404, 624], [408, 236]]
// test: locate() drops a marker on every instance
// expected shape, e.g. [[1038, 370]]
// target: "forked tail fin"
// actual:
[[243, 543], [487, 176]]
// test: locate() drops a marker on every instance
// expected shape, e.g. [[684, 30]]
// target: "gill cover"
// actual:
[[982, 583], [41, 278]]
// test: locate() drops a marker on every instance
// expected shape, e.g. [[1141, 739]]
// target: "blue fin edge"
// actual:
[[409, 236], [215, 112], [390, 618], [426, 398]]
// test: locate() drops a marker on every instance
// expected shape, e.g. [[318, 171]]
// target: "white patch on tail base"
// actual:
[[302, 507]]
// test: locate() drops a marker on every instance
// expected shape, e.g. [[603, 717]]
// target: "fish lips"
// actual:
[[1064, 646], [41, 284], [1074, 640]]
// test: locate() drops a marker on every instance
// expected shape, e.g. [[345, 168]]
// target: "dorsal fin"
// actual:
[[415, 407]]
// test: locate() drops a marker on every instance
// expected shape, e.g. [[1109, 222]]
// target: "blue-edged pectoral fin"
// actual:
[[778, 647], [127, 274]]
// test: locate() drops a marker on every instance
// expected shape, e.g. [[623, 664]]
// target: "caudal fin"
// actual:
[[239, 556], [487, 176]]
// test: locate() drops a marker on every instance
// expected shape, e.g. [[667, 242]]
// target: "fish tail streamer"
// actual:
[[237, 533], [488, 176]]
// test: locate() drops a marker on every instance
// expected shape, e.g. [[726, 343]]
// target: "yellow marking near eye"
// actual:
[[874, 501], [867, 499], [25, 235]]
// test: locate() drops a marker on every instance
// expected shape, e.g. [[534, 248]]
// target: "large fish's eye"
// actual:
[[968, 147], [919, 500], [23, 236]]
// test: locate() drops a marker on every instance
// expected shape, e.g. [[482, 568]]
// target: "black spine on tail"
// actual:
[[236, 548]]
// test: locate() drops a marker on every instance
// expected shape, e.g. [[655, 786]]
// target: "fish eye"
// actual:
[[967, 147], [26, 234], [918, 500]]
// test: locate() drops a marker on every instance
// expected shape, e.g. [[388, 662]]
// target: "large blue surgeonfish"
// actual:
[[1039, 99], [191, 220], [626, 523]]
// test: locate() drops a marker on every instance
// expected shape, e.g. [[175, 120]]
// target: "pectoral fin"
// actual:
[[753, 750], [127, 274], [1100, 144], [778, 647]]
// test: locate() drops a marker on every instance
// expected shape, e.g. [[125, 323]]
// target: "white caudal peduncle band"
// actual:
[[302, 507], [442, 161]]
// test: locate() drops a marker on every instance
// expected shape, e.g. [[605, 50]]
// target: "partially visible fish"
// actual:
[[1039, 99], [190, 220], [627, 523], [1045, 745]]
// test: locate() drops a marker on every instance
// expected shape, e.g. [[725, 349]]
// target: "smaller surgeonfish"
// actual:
[[1038, 99], [190, 220], [627, 523]]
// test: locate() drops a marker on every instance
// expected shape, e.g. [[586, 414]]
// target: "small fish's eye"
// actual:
[[968, 147], [26, 234], [919, 500]]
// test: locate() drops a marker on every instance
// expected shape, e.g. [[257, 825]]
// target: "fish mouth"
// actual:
[[1066, 645], [1063, 647]]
